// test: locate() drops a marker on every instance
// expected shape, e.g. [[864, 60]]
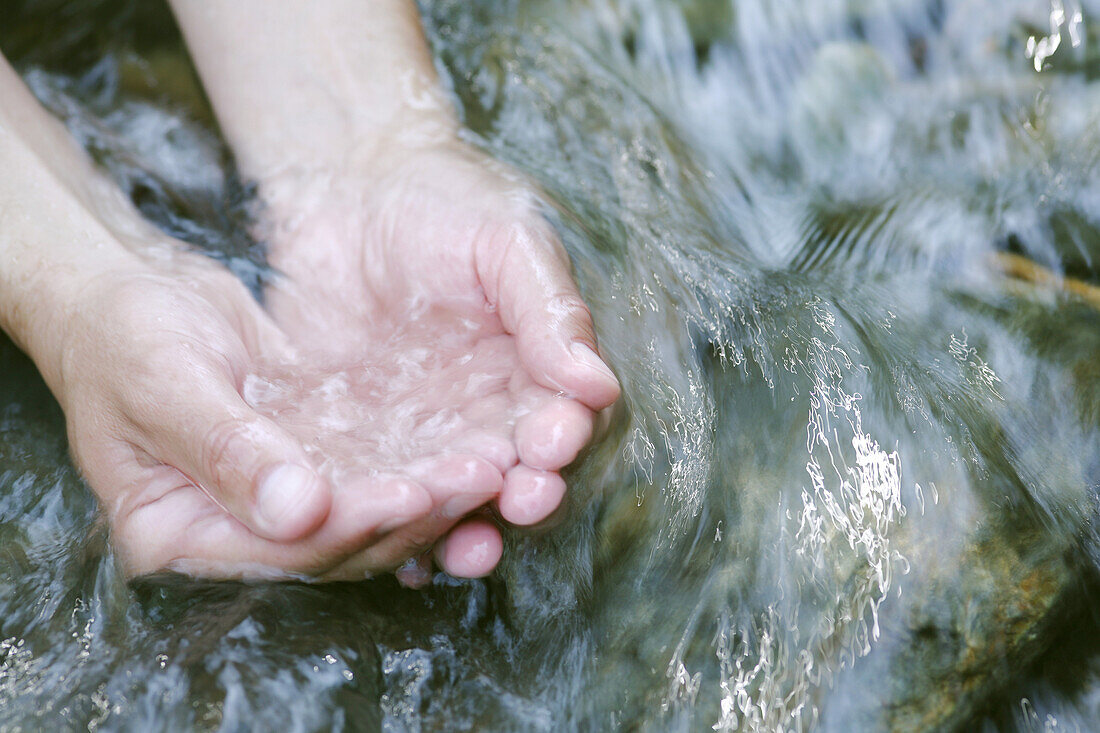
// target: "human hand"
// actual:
[[437, 307], [423, 290], [150, 358], [146, 346]]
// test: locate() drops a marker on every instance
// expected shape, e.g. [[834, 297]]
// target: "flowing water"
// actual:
[[843, 255]]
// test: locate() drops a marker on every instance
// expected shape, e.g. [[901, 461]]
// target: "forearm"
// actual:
[[304, 86], [61, 222]]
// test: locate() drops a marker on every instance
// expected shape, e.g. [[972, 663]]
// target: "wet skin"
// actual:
[[425, 353], [437, 338]]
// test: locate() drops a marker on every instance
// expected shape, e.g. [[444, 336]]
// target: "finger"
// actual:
[[529, 495], [416, 572], [471, 550], [153, 507], [458, 484], [552, 435], [531, 284], [246, 463], [369, 509], [187, 532], [497, 449]]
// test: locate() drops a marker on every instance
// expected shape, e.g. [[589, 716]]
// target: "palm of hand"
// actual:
[[414, 364], [176, 468], [178, 459], [411, 350]]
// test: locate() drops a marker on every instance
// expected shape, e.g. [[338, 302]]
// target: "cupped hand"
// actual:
[[435, 309], [154, 357]]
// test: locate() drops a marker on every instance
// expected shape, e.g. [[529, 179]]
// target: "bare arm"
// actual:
[[56, 219], [309, 85], [139, 340]]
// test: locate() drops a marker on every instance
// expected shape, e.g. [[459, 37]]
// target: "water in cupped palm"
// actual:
[[842, 256]]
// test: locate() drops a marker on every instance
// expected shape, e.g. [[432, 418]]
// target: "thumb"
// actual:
[[245, 462], [539, 304]]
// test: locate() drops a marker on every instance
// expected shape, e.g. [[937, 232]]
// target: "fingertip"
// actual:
[[529, 495], [415, 573], [596, 385], [292, 501], [477, 475], [552, 436], [407, 502], [458, 475], [541, 306], [570, 367], [471, 550], [496, 449]]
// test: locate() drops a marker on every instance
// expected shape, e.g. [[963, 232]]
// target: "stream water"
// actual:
[[843, 255]]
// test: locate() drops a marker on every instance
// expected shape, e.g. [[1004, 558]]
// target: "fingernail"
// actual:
[[584, 354], [603, 423], [285, 488], [415, 573]]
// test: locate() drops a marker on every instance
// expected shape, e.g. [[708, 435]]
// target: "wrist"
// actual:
[[40, 303], [354, 172], [303, 87], [351, 134]]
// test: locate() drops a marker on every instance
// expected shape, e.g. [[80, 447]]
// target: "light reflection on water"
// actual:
[[852, 481]]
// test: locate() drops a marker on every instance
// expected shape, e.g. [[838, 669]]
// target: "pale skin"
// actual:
[[425, 353]]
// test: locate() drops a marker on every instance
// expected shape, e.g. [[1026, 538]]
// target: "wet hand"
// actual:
[[147, 347], [442, 299], [152, 359]]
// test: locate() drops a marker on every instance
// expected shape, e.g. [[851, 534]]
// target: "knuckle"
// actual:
[[574, 313], [150, 396], [569, 304], [415, 541], [564, 311], [162, 361], [225, 448]]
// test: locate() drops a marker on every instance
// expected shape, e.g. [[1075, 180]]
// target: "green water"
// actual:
[[853, 480]]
